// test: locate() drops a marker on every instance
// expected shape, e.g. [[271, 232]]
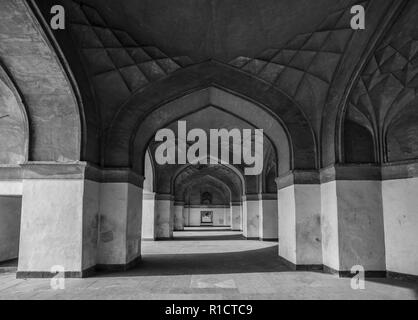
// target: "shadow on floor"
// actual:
[[254, 261], [246, 262], [412, 285], [9, 263]]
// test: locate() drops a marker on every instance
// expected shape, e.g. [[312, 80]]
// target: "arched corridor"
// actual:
[[278, 152]]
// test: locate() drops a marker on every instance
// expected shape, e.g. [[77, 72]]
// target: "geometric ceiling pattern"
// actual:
[[304, 68], [116, 64], [387, 92]]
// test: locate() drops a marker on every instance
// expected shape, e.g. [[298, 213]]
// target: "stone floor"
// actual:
[[207, 265]]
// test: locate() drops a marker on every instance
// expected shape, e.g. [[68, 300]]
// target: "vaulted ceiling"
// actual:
[[299, 59], [215, 29]]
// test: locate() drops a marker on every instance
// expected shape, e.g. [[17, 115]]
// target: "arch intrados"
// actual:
[[209, 177], [199, 100], [228, 166]]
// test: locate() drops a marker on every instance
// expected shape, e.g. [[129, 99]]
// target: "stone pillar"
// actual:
[[269, 218], [178, 216], [59, 226], [352, 220], [244, 216], [120, 220], [186, 216], [400, 209], [11, 181], [299, 203], [236, 216], [251, 216], [164, 222], [148, 216], [227, 216], [10, 211]]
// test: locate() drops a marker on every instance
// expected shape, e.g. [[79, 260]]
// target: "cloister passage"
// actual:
[[80, 108], [210, 193], [210, 199]]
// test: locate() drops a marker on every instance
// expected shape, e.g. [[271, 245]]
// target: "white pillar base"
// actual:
[[164, 222], [300, 225], [10, 212], [269, 218], [400, 207], [352, 221], [120, 225], [178, 217], [236, 216], [59, 221], [148, 216], [251, 217]]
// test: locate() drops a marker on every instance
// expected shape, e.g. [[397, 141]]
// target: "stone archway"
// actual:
[[207, 83], [224, 105]]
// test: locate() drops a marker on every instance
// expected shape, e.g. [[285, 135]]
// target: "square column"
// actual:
[[352, 220], [164, 212], [251, 216], [400, 209], [10, 210], [178, 216], [148, 216], [59, 222], [269, 218], [299, 203], [186, 216], [236, 216], [120, 220], [227, 216]]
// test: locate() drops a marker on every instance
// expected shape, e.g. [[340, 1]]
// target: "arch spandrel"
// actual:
[[14, 125], [35, 66]]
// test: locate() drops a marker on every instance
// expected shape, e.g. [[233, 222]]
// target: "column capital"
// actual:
[[400, 170], [251, 197], [122, 175], [55, 170], [351, 172], [298, 177], [148, 195], [166, 197], [79, 170], [260, 197], [268, 196], [10, 172]]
